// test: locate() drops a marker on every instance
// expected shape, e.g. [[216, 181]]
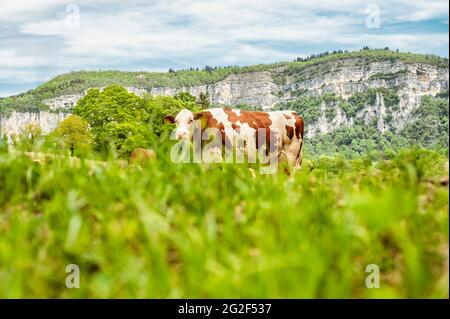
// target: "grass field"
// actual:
[[169, 230]]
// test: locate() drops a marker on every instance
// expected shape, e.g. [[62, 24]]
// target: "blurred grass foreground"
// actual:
[[165, 230]]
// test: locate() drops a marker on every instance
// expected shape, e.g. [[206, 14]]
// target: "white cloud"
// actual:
[[10, 58], [21, 75], [153, 32], [415, 10], [25, 9]]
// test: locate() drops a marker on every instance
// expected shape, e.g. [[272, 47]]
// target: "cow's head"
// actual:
[[184, 122]]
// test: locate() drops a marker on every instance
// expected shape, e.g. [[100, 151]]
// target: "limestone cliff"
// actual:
[[342, 78]]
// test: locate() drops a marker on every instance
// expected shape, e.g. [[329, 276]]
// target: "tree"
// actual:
[[114, 103], [203, 101], [121, 121], [73, 134], [209, 69], [107, 112], [124, 137], [160, 106], [185, 97]]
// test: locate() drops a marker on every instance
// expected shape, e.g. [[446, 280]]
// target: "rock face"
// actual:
[[63, 102], [17, 121], [411, 81], [255, 88], [349, 76], [265, 89]]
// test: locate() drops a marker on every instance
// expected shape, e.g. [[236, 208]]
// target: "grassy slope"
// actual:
[[75, 82], [172, 230]]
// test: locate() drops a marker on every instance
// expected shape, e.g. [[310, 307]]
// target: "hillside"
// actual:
[[376, 96]]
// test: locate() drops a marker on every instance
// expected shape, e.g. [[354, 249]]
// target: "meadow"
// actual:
[[166, 230]]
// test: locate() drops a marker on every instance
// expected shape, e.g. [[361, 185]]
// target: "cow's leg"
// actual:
[[298, 162], [291, 159], [283, 162], [286, 161], [293, 155]]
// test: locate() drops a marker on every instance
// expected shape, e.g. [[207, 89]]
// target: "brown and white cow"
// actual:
[[283, 129]]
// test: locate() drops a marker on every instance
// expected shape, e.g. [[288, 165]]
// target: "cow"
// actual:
[[141, 155], [283, 129]]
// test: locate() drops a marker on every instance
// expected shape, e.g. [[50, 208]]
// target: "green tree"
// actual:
[[185, 97], [203, 100], [159, 106], [124, 137], [115, 116], [121, 121], [73, 134], [113, 104]]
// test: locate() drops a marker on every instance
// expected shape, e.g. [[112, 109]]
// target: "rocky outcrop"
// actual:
[[17, 121], [255, 88], [63, 103], [346, 77], [324, 125]]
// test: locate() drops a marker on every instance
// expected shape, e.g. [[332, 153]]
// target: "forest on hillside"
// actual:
[[77, 82]]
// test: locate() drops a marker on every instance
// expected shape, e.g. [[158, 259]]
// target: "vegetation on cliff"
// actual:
[[428, 126], [77, 82]]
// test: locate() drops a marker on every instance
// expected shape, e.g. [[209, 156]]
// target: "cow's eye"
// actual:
[[190, 121]]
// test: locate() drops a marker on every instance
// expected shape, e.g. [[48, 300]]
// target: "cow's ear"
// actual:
[[169, 119], [198, 115]]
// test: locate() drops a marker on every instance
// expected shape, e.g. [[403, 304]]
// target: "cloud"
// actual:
[[10, 58], [419, 10], [21, 76], [26, 9], [154, 31]]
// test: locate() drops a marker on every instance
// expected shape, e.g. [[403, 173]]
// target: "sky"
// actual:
[[40, 39]]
